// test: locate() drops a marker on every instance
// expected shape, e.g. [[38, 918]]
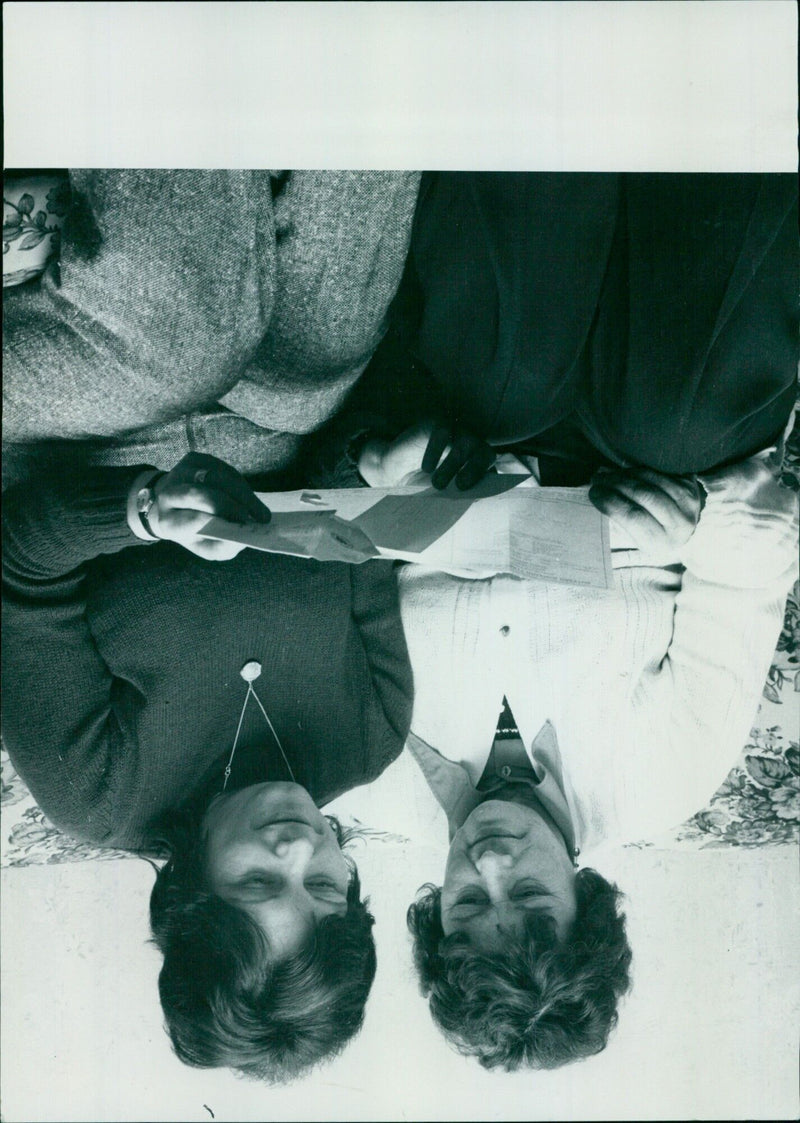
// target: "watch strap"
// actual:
[[141, 498]]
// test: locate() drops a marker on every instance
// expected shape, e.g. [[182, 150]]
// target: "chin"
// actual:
[[518, 793]]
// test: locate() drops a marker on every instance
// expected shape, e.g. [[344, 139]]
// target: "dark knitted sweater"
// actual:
[[121, 664]]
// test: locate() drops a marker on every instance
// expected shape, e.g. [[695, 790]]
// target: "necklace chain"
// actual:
[[250, 691]]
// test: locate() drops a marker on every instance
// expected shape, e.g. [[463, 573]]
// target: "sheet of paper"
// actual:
[[411, 523], [307, 534], [560, 537], [543, 534], [505, 525], [347, 502]]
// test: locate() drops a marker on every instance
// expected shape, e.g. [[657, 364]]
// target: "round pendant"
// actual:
[[250, 671]]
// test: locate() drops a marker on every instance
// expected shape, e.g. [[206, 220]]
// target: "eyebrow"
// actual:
[[529, 884]]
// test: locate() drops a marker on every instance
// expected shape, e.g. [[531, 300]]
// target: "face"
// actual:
[[506, 862], [270, 852]]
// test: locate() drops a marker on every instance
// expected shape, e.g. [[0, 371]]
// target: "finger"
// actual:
[[186, 529], [464, 444], [215, 550], [192, 463], [419, 433], [440, 438], [202, 471], [225, 478], [654, 500], [683, 490], [480, 461], [178, 524], [635, 519], [371, 463], [212, 500], [658, 502]]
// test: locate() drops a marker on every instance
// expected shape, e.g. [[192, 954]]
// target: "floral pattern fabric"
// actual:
[[759, 802]]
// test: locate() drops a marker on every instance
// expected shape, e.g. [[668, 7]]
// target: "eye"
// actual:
[[470, 901], [528, 891], [257, 883], [252, 882], [324, 887]]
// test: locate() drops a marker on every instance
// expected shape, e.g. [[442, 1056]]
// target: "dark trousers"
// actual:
[[633, 319]]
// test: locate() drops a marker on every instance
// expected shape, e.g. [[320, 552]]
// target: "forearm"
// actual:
[[692, 710], [53, 526], [165, 290], [59, 723]]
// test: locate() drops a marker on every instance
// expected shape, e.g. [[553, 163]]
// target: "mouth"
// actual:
[[507, 844], [271, 822], [495, 834]]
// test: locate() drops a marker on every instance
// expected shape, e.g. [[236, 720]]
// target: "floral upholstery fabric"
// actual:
[[759, 802], [757, 805]]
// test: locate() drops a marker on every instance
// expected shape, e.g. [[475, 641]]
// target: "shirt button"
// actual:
[[505, 771], [505, 630]]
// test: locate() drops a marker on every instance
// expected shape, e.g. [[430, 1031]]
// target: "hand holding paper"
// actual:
[[443, 453], [500, 526]]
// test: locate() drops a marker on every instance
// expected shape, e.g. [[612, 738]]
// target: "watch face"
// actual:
[[144, 500]]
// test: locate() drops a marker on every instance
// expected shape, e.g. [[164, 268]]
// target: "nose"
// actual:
[[500, 846], [293, 849], [491, 862], [288, 844], [494, 868]]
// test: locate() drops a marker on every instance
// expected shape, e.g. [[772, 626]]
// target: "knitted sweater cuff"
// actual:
[[53, 526]]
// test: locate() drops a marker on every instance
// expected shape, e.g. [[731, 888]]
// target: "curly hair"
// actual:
[[225, 999], [539, 1005]]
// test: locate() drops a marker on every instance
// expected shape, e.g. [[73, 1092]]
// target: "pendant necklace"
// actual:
[[250, 672]]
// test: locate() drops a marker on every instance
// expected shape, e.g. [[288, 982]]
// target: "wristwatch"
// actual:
[[141, 499], [145, 498]]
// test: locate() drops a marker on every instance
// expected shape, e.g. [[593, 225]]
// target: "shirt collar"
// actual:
[[450, 783]]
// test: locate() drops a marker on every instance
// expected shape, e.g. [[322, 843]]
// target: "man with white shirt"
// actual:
[[622, 711]]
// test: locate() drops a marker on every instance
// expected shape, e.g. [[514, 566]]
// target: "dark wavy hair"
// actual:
[[539, 1004], [225, 999]]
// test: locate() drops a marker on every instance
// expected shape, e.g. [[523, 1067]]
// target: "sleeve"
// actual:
[[59, 720], [397, 388], [341, 243], [693, 710], [376, 614], [166, 288]]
